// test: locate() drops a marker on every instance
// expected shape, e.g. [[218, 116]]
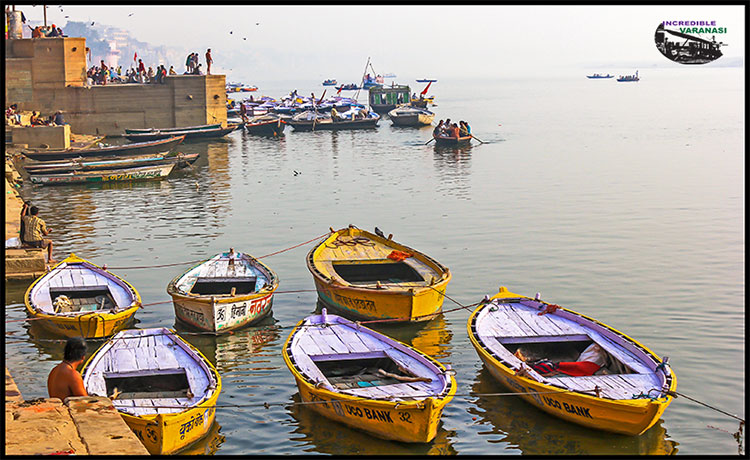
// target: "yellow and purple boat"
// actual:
[[370, 276], [364, 379], [79, 299], [570, 365], [165, 389]]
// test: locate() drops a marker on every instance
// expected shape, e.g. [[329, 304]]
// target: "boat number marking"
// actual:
[[569, 408], [405, 417]]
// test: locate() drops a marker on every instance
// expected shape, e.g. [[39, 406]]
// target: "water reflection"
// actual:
[[453, 165], [326, 436], [511, 420]]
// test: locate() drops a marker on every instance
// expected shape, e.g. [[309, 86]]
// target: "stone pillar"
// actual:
[[15, 28]]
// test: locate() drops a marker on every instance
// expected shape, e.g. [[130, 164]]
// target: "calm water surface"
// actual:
[[622, 201]]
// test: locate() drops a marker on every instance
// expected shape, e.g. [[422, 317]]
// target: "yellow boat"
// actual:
[[78, 298], [167, 389], [359, 377], [547, 354], [369, 276]]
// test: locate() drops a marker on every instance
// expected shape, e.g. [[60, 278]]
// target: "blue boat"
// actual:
[[597, 75], [426, 80], [629, 77], [330, 82]]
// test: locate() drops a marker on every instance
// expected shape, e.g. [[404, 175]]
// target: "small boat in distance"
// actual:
[[451, 141], [188, 133], [330, 82], [426, 80], [266, 125], [367, 380], [389, 75], [140, 148], [159, 171], [171, 130], [228, 291], [629, 77], [348, 87], [407, 115], [163, 387], [597, 75], [569, 365], [79, 299], [369, 276]]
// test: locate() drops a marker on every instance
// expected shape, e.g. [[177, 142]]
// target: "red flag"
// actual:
[[424, 91], [339, 91], [135, 57]]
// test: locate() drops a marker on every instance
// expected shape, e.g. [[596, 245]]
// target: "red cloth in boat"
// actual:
[[577, 368], [398, 256]]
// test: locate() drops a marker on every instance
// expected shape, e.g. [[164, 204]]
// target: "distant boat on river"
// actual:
[[629, 77], [597, 75]]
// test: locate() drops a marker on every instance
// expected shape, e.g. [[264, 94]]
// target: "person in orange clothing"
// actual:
[[64, 379]]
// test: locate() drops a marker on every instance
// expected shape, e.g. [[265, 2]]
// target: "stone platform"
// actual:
[[87, 425]]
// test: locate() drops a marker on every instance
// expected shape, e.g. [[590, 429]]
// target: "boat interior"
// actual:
[[348, 372], [385, 271], [153, 384], [70, 299], [563, 349], [224, 285]]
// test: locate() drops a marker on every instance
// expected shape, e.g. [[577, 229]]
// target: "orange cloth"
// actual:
[[398, 256]]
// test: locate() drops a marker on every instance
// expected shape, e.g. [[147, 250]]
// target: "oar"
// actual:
[[474, 137], [429, 141]]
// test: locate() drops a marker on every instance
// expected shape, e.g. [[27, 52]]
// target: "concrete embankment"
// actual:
[[87, 425]]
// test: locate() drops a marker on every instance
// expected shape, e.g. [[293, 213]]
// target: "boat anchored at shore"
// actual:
[[370, 276], [140, 148], [569, 365], [165, 389], [79, 299], [226, 292], [367, 380]]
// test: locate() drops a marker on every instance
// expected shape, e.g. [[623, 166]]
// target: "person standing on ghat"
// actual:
[[208, 62]]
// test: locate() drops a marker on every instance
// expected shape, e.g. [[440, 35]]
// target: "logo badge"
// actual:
[[690, 42]]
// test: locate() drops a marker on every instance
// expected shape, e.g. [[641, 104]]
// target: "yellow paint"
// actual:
[[625, 416], [412, 421], [409, 301], [90, 325]]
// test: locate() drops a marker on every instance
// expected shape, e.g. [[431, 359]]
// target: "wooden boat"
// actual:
[[140, 148], [372, 277], [626, 395], [407, 115], [95, 164], [426, 80], [171, 130], [383, 99], [324, 122], [629, 77], [79, 299], [167, 388], [451, 141], [189, 134], [105, 175], [367, 380], [348, 86], [266, 125], [329, 82], [226, 292], [422, 101], [596, 75]]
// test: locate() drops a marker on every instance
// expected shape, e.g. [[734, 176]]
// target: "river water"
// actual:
[[621, 201]]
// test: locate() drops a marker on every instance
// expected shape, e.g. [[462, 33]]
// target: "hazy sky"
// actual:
[[430, 41]]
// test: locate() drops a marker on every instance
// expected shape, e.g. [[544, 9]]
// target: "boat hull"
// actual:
[[334, 126], [271, 128], [221, 315], [452, 141], [412, 120], [113, 175], [409, 422], [166, 434], [368, 304], [141, 148], [166, 130], [180, 160], [194, 134]]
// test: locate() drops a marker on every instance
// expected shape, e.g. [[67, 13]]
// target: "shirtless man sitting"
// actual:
[[65, 380]]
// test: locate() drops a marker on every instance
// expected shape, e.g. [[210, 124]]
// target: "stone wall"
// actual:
[[49, 74], [53, 137]]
